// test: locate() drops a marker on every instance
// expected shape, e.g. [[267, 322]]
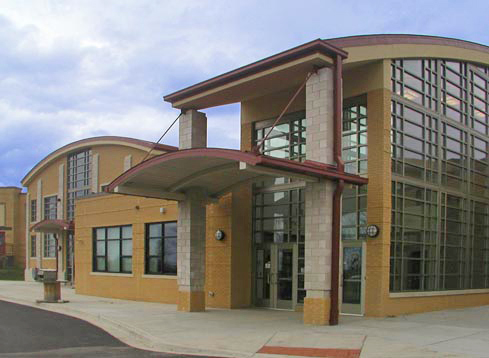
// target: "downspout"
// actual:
[[335, 244]]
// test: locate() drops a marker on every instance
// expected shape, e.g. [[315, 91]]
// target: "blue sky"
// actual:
[[75, 69]]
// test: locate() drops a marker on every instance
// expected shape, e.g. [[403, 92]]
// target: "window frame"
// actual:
[[47, 246], [50, 210], [33, 211], [33, 248], [147, 256], [121, 239], [74, 161]]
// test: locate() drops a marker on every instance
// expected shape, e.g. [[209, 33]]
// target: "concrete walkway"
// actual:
[[266, 333]]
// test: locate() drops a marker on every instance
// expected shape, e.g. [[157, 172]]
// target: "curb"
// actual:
[[127, 334]]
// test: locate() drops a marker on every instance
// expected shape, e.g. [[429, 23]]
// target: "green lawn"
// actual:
[[14, 274]]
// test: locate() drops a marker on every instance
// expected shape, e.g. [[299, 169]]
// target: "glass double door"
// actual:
[[277, 276]]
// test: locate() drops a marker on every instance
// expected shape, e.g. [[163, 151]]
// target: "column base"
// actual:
[[316, 311], [191, 301]]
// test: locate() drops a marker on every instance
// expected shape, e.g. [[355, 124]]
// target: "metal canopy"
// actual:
[[217, 171], [53, 226]]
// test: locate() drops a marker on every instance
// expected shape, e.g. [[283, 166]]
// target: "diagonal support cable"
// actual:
[[257, 149], [159, 140]]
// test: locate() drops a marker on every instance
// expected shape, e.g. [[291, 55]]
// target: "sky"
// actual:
[[76, 69]]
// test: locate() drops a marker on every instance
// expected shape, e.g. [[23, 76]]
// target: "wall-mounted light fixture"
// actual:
[[219, 235]]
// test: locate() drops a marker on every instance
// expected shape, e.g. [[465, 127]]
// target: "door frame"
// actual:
[[363, 245], [275, 303]]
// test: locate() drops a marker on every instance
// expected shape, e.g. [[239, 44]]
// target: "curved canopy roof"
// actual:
[[53, 226], [89, 142], [169, 175]]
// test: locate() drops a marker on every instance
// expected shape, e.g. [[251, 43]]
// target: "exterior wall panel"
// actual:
[[116, 210]]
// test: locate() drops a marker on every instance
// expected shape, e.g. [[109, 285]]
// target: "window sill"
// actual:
[[438, 293], [171, 277], [49, 258], [115, 274]]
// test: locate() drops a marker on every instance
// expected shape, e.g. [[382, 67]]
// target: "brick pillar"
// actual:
[[379, 202], [192, 223], [192, 130], [191, 251], [319, 198]]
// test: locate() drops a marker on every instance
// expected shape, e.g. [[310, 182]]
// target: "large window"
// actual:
[[79, 179], [354, 137], [417, 81], [161, 248], [33, 246], [354, 154], [112, 249], [414, 140], [49, 246], [414, 238], [439, 238], [33, 210], [287, 139], [354, 213], [51, 207]]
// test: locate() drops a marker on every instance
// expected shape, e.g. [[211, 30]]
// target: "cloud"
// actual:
[[72, 69]]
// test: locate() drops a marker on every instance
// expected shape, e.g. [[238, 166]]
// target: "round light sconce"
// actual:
[[373, 231]]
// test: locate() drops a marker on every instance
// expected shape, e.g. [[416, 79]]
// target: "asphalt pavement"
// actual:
[[31, 332]]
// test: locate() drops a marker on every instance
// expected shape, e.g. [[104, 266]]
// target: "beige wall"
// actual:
[[115, 210], [111, 160], [13, 203]]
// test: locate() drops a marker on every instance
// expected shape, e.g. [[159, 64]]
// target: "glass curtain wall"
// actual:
[[79, 179], [354, 154], [278, 204], [440, 171]]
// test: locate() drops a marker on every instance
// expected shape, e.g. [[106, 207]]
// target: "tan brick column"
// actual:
[[378, 201], [319, 199], [191, 223], [191, 251]]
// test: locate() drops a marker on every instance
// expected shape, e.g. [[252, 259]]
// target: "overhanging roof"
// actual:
[[272, 74], [53, 226], [169, 175]]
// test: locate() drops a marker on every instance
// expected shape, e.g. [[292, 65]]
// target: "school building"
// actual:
[[360, 187]]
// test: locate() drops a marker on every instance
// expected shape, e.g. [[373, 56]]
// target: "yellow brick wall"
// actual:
[[378, 201], [218, 253], [14, 203], [110, 166], [228, 262], [115, 210]]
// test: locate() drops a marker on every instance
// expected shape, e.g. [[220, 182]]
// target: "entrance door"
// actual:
[[283, 276], [277, 276], [353, 278], [70, 258]]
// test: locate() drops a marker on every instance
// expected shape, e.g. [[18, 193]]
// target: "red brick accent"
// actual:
[[312, 352]]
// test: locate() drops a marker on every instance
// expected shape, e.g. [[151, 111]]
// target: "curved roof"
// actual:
[[51, 226], [351, 49], [95, 141], [394, 39], [367, 48], [217, 171]]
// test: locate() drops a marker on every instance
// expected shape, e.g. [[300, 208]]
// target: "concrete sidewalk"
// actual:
[[267, 333]]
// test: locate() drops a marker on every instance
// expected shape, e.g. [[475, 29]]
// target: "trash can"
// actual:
[[52, 287]]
